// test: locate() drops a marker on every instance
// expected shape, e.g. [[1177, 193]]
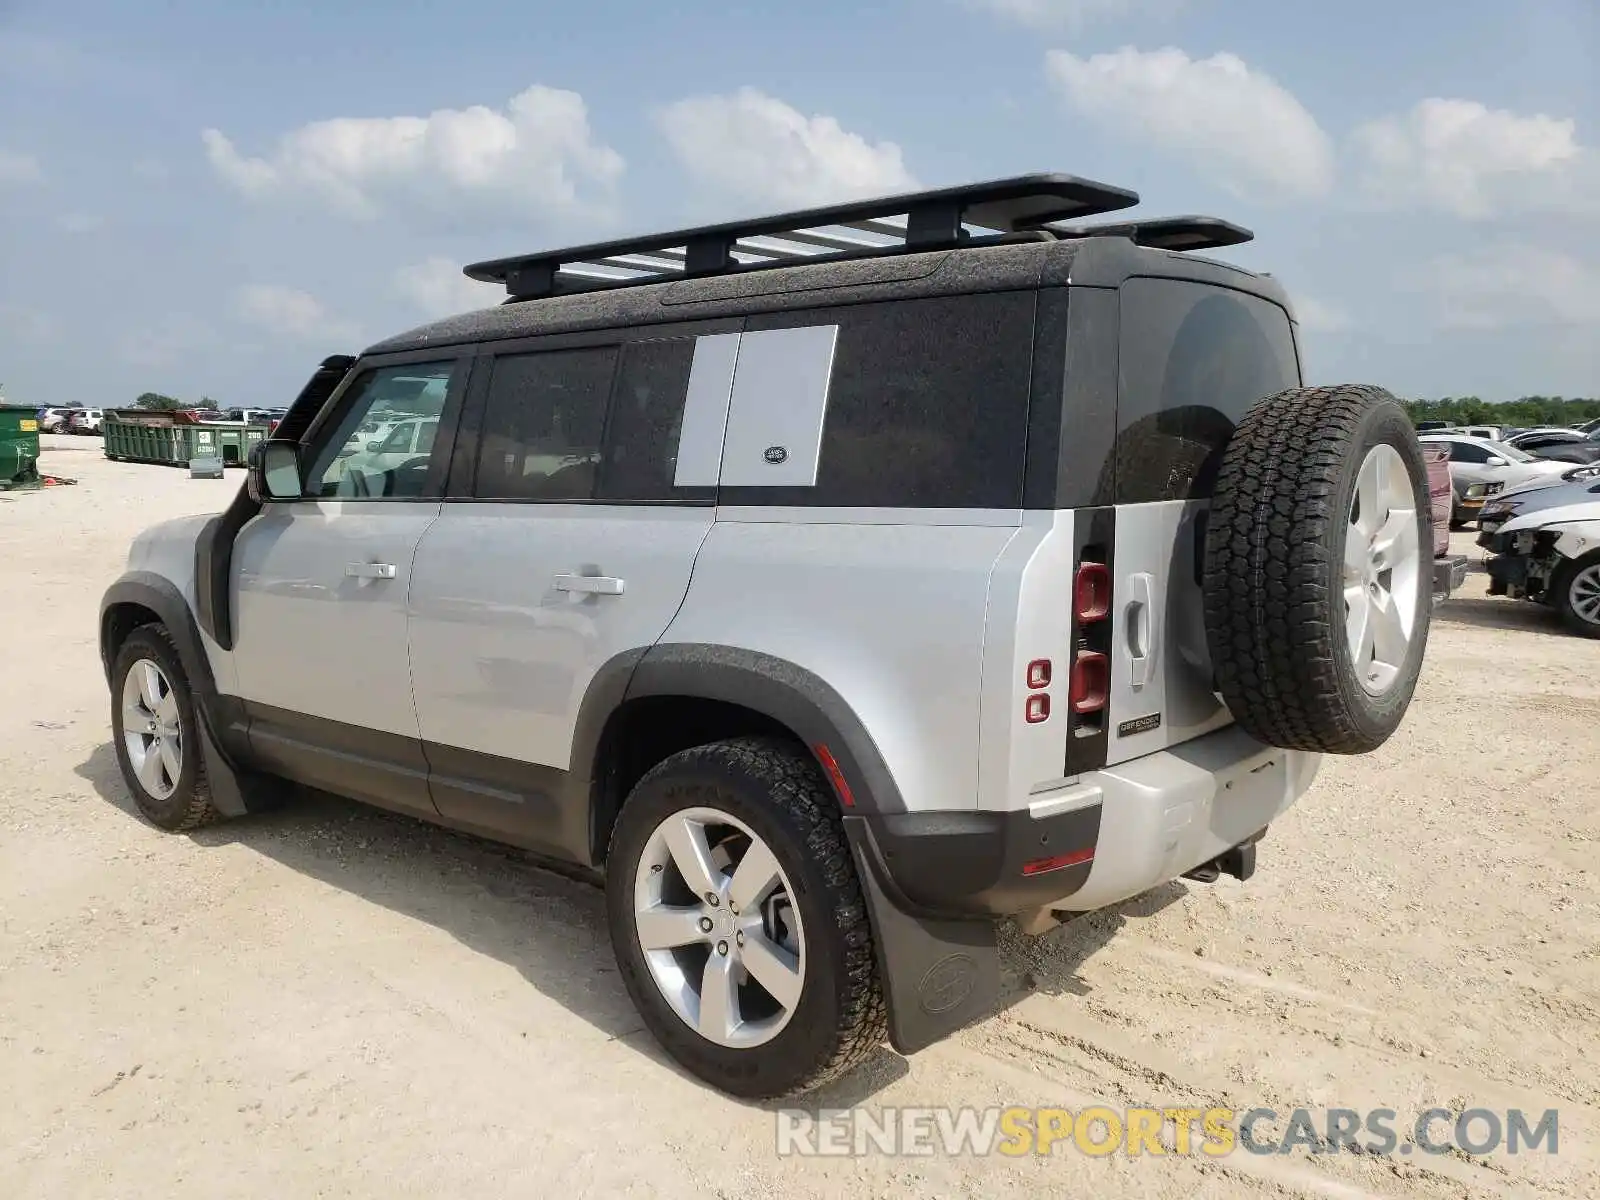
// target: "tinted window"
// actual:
[[641, 452], [1192, 360], [349, 466], [543, 425], [926, 406], [1468, 452]]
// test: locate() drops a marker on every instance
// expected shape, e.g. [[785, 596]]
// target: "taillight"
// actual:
[[1038, 674], [1091, 682], [1091, 592], [1041, 865], [1037, 708]]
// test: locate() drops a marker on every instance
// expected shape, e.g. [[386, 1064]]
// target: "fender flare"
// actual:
[[786, 693], [162, 597]]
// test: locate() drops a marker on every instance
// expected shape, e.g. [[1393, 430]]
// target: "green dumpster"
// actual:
[[174, 438], [19, 447]]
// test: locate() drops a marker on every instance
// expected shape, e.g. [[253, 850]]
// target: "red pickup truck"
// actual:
[[1449, 570]]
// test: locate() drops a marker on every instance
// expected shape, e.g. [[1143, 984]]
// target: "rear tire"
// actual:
[[770, 797], [1576, 589], [1317, 611]]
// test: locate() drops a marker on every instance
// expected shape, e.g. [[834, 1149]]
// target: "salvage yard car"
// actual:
[[1481, 468], [1544, 545], [829, 587]]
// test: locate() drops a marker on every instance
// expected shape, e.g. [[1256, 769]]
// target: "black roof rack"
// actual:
[[930, 219], [1003, 209], [1167, 233]]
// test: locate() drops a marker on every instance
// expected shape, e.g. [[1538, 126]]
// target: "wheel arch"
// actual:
[[645, 705], [142, 598]]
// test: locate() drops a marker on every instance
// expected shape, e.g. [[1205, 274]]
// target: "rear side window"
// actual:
[[593, 424], [925, 404], [1192, 360]]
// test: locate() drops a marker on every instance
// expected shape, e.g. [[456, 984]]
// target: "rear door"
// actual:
[[1192, 358], [578, 502]]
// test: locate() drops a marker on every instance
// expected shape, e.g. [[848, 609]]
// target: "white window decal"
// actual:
[[779, 405]]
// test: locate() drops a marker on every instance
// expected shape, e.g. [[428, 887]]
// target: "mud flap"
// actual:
[[939, 974], [235, 793]]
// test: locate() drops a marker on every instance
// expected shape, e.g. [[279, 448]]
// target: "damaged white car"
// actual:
[[1545, 546]]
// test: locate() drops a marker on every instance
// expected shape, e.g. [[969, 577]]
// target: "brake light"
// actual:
[[1091, 681], [1091, 592]]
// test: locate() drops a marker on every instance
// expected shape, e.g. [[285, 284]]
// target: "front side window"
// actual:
[[1468, 452], [374, 451]]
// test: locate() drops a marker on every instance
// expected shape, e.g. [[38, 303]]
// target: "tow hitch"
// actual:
[[1240, 862]]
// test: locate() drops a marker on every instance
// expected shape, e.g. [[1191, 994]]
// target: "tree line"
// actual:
[[1527, 412]]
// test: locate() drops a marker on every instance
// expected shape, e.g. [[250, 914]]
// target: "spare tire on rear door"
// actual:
[[1317, 587]]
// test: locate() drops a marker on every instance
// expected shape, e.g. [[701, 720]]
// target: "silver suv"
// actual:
[[832, 585]]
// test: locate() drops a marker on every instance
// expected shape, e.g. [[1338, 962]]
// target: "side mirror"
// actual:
[[374, 447], [1496, 461], [275, 471]]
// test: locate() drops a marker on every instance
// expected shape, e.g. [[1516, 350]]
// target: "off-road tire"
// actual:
[[1560, 591], [775, 787], [1274, 602], [189, 806]]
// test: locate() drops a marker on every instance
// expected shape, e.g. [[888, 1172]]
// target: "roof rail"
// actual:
[[931, 219], [1166, 233]]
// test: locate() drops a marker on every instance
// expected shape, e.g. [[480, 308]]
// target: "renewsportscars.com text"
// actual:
[[1213, 1132]]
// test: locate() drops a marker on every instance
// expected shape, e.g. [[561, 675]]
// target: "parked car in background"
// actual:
[[1449, 570], [54, 420], [1560, 445], [1548, 550], [1480, 468], [84, 421], [1498, 510]]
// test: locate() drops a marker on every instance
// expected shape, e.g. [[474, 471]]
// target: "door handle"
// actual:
[[1140, 627], [359, 570], [590, 585]]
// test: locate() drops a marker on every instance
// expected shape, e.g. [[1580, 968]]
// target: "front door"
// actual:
[[320, 597], [572, 543]]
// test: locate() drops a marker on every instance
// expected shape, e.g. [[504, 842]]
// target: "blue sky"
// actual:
[[205, 198]]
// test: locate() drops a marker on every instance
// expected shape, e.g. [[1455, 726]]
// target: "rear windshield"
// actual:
[[1192, 359]]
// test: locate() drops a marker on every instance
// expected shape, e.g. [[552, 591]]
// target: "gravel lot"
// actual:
[[331, 1001]]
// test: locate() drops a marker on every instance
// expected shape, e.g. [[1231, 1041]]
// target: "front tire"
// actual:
[[156, 731], [738, 922], [1577, 595]]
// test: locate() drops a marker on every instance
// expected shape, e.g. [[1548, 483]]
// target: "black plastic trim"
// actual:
[[969, 864], [786, 693], [383, 769]]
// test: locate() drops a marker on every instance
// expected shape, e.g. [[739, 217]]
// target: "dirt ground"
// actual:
[[331, 1001]]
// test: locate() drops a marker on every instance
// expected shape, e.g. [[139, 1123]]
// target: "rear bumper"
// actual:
[[935, 882], [1449, 573], [1110, 835]]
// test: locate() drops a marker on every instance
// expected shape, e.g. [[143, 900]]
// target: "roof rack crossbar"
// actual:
[[932, 219]]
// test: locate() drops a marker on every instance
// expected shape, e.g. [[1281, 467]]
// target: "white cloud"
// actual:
[[19, 169], [1318, 316], [1235, 124], [758, 149], [538, 154], [289, 313], [1513, 285], [1074, 14], [1474, 161], [438, 288]]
